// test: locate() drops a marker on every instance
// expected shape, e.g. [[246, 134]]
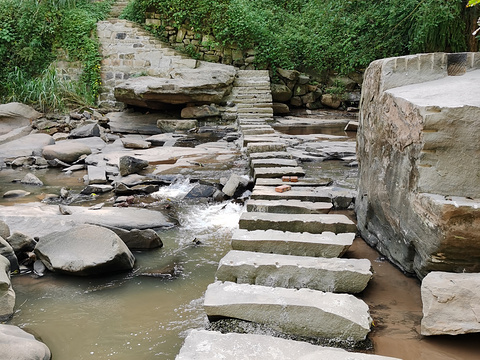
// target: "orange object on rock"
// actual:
[[283, 188]]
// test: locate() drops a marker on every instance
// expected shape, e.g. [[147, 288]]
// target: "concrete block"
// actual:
[[289, 206]]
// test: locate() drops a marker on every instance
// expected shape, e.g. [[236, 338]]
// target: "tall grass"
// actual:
[[47, 92]]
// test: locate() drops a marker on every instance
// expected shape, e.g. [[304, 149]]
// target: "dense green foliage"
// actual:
[[31, 32], [332, 35]]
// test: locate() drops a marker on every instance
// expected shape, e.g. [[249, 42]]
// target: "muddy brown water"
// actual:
[[130, 316]]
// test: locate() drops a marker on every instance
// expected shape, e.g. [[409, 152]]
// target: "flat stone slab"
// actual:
[[326, 244], [451, 303], [302, 312], [213, 345], [271, 155], [38, 219], [258, 163], [279, 171], [260, 139], [265, 147], [289, 206], [25, 146], [134, 122], [295, 272], [312, 223], [310, 182]]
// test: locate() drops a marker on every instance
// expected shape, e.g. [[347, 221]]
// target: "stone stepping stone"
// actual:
[[303, 182], [270, 154], [326, 244], [289, 206], [295, 272], [260, 139], [278, 171], [259, 130], [312, 223], [96, 174], [265, 147], [209, 345], [263, 163], [302, 312]]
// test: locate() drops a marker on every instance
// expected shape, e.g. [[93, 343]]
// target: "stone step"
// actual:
[[312, 223], [257, 129], [302, 182], [210, 345], [265, 147], [279, 171], [260, 139], [295, 272], [265, 163], [302, 312], [254, 105], [255, 110], [340, 197], [271, 154], [289, 206], [326, 244]]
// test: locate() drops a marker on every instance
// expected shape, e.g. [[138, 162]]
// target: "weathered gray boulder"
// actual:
[[199, 112], [84, 250], [281, 92], [7, 251], [213, 345], [137, 239], [16, 344], [418, 163], [208, 83], [201, 191], [21, 242], [131, 143], [84, 131], [4, 230], [15, 193], [30, 179], [66, 151], [450, 303], [15, 115], [130, 165], [7, 295], [32, 144], [233, 183]]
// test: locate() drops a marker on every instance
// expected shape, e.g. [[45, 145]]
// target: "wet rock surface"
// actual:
[[17, 344]]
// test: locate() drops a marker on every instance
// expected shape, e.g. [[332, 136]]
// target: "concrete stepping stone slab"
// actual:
[[258, 131], [278, 171], [265, 147], [312, 223], [212, 345], [260, 139], [326, 244], [257, 163], [303, 182], [271, 155], [302, 312], [289, 206], [295, 272]]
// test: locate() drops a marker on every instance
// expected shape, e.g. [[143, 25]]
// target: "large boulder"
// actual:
[[7, 295], [84, 250], [6, 250], [131, 165], [21, 242], [451, 303], [208, 83], [137, 239], [15, 115], [66, 151], [16, 344], [25, 146], [418, 163]]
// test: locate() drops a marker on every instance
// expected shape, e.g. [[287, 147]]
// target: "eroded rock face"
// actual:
[[84, 250], [418, 154], [450, 303], [208, 83], [7, 295], [16, 344]]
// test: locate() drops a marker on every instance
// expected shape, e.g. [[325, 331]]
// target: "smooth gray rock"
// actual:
[[130, 165], [326, 244], [302, 312], [16, 115], [451, 303], [201, 191], [136, 239], [295, 272], [131, 143], [84, 250], [16, 344], [15, 193], [233, 183], [312, 223], [166, 139], [30, 179], [213, 345], [38, 219], [96, 174], [7, 295], [4, 230], [66, 151], [21, 242], [289, 206], [96, 189], [84, 131], [32, 144], [7, 251]]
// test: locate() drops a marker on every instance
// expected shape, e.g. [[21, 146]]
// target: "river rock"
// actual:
[[15, 193], [16, 115], [206, 84], [96, 174], [199, 112], [137, 239], [16, 344], [32, 144], [280, 108], [84, 131], [130, 165], [7, 251], [450, 303], [280, 92], [131, 143], [167, 125], [418, 154], [233, 183], [4, 230], [66, 151], [331, 100], [30, 179], [201, 191], [21, 242], [7, 295], [84, 250], [96, 189]]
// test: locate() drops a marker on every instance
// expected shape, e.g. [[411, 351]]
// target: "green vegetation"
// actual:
[[322, 35], [31, 33]]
